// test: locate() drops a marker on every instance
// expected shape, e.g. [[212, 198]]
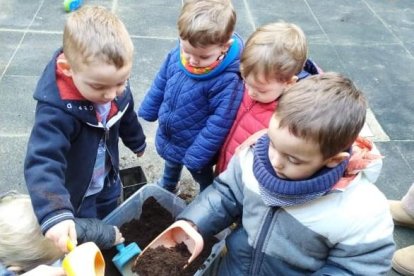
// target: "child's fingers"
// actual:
[[118, 236], [72, 233], [60, 232], [62, 244]]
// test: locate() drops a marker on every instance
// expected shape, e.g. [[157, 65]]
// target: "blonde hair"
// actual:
[[327, 109], [206, 22], [21, 241], [94, 33], [275, 51]]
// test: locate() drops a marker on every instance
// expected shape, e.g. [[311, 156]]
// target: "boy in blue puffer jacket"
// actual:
[[196, 93]]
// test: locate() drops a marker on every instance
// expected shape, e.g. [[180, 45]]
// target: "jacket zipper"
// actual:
[[109, 153], [111, 122], [257, 252], [105, 136]]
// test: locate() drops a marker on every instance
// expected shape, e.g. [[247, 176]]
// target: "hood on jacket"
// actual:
[[365, 159]]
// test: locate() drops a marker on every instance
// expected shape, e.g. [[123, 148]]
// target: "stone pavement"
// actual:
[[371, 41]]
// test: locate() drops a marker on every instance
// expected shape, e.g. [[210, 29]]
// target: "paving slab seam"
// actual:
[[324, 33], [114, 6], [249, 14], [407, 162], [388, 28]]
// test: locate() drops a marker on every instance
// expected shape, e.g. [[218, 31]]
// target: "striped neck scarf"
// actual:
[[200, 70]]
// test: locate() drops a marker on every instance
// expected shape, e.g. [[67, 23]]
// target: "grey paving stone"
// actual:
[[34, 53], [12, 152], [326, 56], [244, 25], [51, 17], [394, 109], [147, 20], [17, 105], [149, 54], [283, 7], [17, 14], [410, 47], [400, 23], [377, 65], [8, 43], [350, 22], [396, 175], [393, 6], [406, 149]]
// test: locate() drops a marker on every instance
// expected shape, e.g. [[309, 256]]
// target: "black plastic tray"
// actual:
[[132, 180]]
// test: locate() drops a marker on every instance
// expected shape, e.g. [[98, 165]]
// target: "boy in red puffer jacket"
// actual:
[[274, 58]]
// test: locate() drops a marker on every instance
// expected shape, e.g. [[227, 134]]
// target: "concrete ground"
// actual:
[[371, 41]]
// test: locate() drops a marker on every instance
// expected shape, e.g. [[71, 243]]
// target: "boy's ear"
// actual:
[[335, 160], [226, 46], [293, 80], [63, 65]]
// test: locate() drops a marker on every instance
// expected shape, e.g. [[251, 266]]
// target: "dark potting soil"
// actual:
[[153, 221], [162, 261]]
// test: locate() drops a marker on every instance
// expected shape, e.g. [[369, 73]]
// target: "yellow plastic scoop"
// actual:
[[84, 260]]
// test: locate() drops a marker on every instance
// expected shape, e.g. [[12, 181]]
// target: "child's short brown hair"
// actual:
[[94, 33], [327, 109], [206, 22], [22, 244], [276, 51]]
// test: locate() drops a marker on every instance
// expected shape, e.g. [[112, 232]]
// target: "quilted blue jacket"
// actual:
[[194, 112]]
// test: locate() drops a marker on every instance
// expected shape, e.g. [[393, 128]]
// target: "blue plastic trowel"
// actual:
[[125, 257]]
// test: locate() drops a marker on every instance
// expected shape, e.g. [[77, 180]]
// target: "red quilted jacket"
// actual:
[[252, 116]]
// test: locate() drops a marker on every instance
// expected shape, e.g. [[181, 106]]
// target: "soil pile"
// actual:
[[153, 221], [162, 261]]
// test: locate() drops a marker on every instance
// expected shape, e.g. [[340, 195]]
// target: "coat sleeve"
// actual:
[[225, 100], [45, 165], [220, 204], [332, 270], [95, 230], [374, 259], [131, 131], [151, 104], [367, 246]]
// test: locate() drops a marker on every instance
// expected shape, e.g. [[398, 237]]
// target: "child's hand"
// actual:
[[118, 236], [45, 270], [139, 154], [251, 140], [60, 232]]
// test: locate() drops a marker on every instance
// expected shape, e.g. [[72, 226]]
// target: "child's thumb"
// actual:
[[72, 235]]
